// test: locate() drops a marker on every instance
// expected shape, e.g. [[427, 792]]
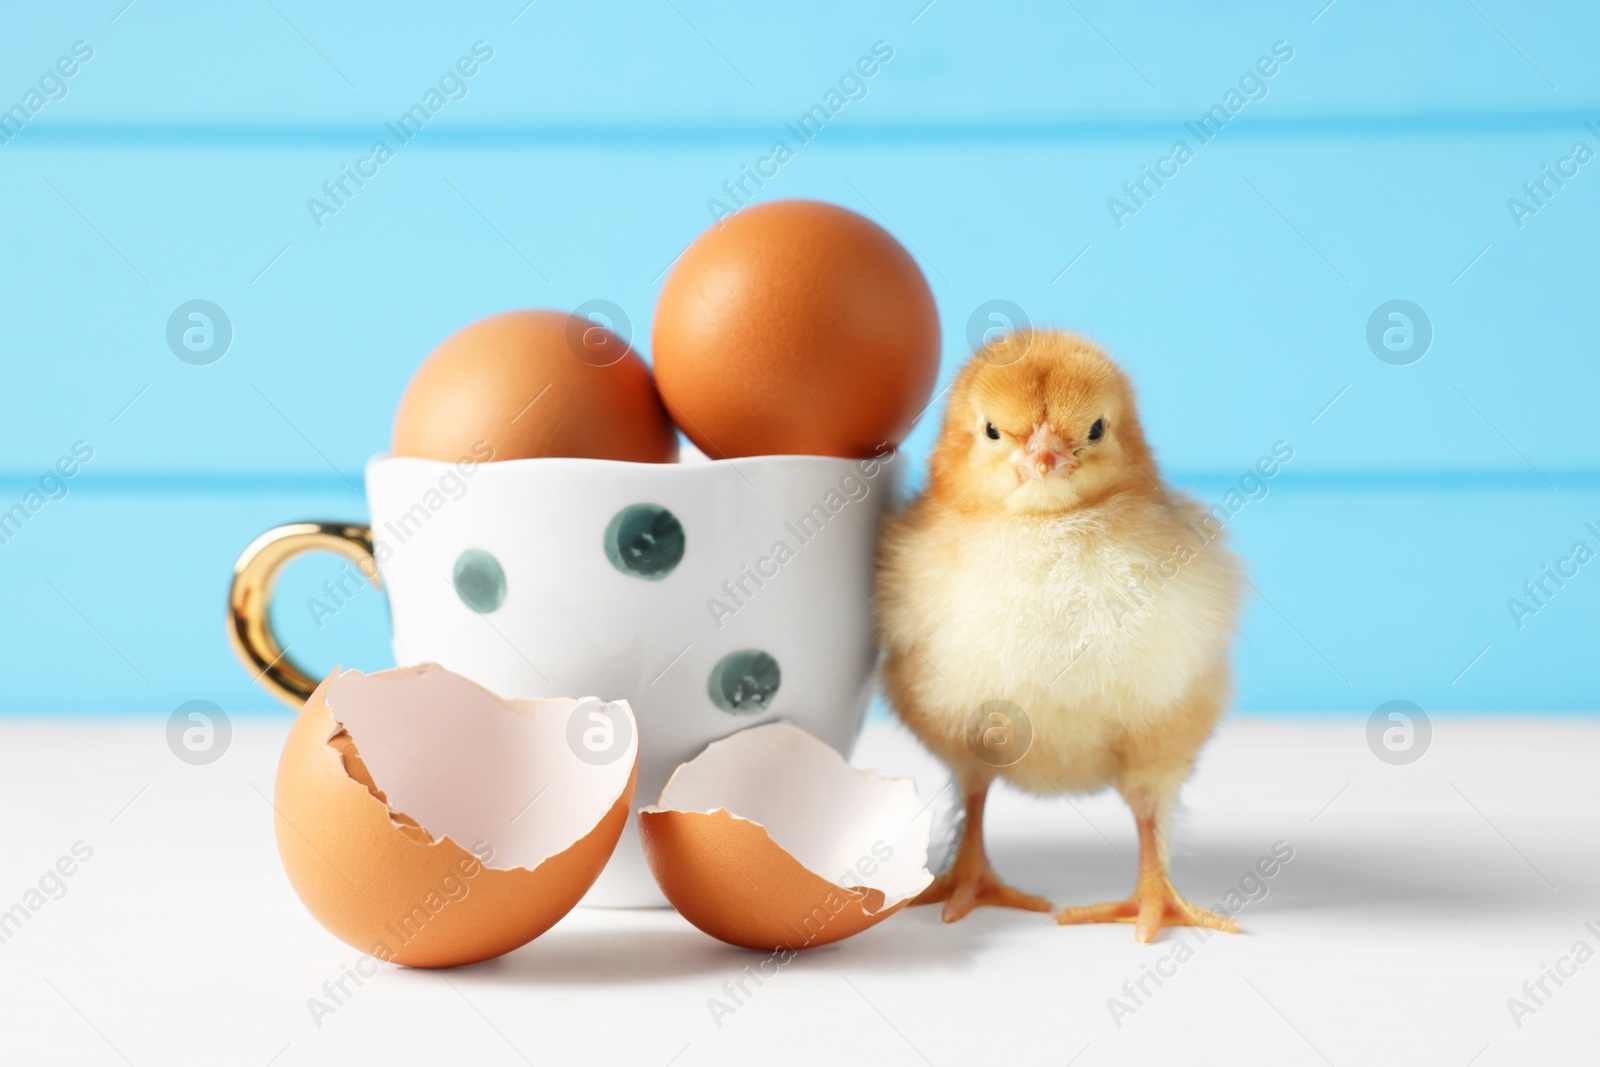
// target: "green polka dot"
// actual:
[[645, 541], [744, 682], [479, 580]]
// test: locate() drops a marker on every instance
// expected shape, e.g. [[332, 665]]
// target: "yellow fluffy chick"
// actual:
[[1055, 615]]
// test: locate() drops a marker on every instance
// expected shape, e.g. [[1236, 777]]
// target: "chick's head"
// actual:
[[1041, 422]]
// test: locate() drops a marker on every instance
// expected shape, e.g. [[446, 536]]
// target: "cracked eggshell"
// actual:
[[425, 821], [770, 840]]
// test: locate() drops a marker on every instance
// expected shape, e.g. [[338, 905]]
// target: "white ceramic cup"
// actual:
[[711, 595]]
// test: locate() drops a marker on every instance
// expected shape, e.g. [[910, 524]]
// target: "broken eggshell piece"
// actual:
[[770, 840], [425, 821]]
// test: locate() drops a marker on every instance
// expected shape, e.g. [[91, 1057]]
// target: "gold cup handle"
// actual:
[[250, 598]]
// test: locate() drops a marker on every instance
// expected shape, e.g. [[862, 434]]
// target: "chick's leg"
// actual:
[[1154, 903], [970, 881]]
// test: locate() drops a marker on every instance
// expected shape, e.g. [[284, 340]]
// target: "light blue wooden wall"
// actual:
[[179, 161]]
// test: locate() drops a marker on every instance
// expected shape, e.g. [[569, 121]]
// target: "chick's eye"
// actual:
[[993, 434], [1098, 430]]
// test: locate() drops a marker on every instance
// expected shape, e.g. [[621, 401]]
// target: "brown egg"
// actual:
[[533, 383], [405, 819], [795, 327], [769, 840]]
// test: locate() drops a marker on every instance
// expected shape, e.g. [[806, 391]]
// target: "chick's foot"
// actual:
[[967, 886], [970, 881], [1154, 904]]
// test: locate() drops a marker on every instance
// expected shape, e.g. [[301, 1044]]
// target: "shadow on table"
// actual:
[[1430, 874], [911, 939], [605, 957], [1343, 875]]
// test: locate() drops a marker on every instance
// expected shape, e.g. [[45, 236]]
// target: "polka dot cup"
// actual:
[[712, 596]]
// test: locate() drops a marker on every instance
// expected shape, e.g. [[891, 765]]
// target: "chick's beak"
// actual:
[[1046, 453]]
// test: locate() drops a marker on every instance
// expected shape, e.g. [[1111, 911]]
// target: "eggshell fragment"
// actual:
[[770, 840], [425, 821]]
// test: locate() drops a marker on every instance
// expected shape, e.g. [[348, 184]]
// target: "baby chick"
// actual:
[[1054, 615]]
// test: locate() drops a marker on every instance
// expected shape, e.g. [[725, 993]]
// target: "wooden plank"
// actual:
[[1238, 294], [697, 64], [1366, 595]]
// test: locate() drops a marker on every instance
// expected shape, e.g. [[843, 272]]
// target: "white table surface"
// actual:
[[1418, 900]]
